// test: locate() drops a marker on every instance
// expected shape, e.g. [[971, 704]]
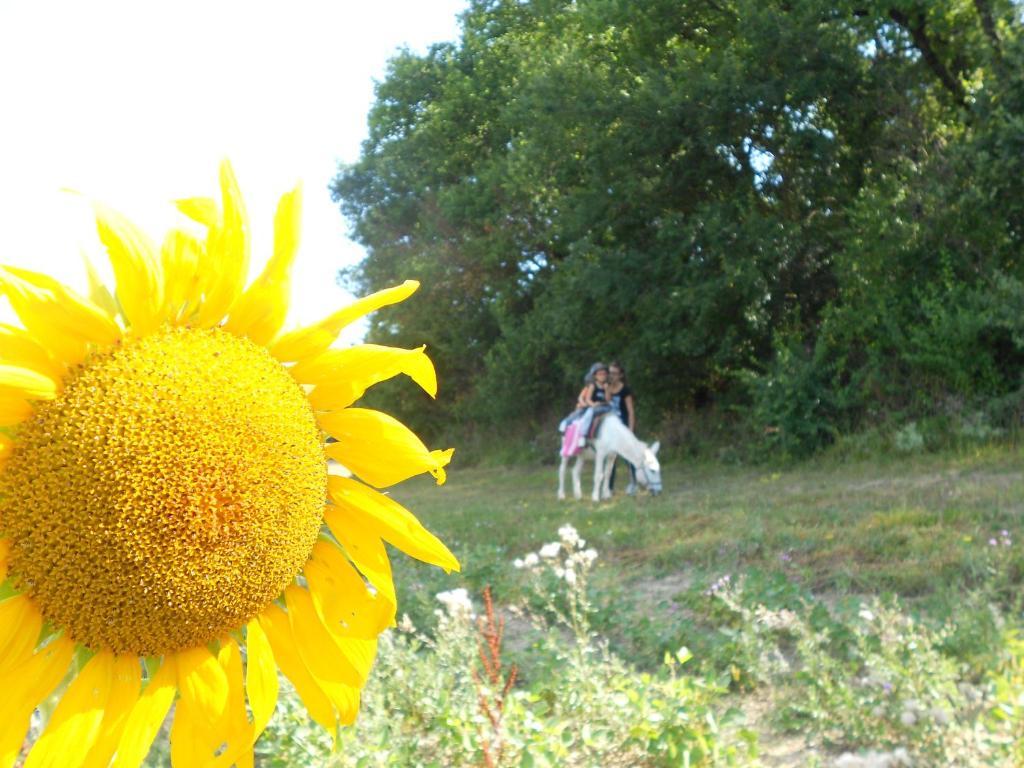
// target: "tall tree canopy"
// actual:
[[782, 205]]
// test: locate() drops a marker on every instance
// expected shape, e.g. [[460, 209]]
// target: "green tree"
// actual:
[[693, 186]]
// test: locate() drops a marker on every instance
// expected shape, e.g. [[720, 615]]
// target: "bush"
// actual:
[[795, 404], [879, 679]]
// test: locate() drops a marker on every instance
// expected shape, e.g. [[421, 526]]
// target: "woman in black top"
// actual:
[[620, 395]]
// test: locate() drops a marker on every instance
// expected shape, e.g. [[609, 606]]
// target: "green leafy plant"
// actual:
[[441, 699]]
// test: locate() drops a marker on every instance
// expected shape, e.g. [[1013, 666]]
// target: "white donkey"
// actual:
[[613, 439]]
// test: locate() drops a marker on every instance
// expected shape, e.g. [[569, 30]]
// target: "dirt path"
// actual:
[[776, 750]]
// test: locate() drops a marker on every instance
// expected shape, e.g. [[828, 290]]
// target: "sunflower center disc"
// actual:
[[170, 493]]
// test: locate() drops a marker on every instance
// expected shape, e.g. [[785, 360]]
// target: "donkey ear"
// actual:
[[655, 446]]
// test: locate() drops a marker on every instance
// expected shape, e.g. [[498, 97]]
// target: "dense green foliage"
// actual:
[[808, 214]]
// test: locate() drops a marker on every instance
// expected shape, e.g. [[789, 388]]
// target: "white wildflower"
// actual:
[[518, 563], [589, 555], [866, 614], [568, 534], [531, 560], [551, 550], [873, 759], [847, 760], [781, 620], [570, 577], [457, 602]]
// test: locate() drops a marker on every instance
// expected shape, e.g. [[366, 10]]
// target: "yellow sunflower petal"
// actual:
[[99, 294], [5, 544], [234, 725], [146, 717], [282, 640], [227, 252], [312, 340], [19, 386], [24, 382], [124, 692], [379, 448], [316, 646], [260, 312], [13, 410], [181, 254], [329, 666], [136, 269], [20, 625], [352, 615], [260, 676], [342, 376], [243, 757], [75, 724], [202, 210], [345, 699], [390, 520], [59, 319], [360, 652], [17, 347], [204, 699], [339, 592], [366, 550], [188, 746], [23, 690], [64, 307]]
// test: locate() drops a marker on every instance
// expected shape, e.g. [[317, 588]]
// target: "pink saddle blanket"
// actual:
[[571, 440]]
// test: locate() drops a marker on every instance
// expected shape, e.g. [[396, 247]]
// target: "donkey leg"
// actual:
[[598, 476], [561, 478], [577, 477], [606, 485]]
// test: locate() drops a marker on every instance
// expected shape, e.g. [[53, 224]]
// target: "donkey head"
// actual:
[[649, 473]]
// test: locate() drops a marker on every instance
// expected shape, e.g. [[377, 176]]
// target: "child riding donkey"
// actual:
[[592, 401], [611, 438]]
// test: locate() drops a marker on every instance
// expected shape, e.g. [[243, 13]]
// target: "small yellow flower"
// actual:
[[165, 501]]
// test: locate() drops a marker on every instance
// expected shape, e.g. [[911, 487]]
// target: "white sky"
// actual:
[[135, 103]]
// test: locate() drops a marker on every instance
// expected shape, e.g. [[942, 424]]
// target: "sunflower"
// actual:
[[169, 532]]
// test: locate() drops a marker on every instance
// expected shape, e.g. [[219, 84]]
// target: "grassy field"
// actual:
[[936, 536], [916, 527]]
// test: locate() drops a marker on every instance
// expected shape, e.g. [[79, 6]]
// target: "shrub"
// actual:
[[792, 402]]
